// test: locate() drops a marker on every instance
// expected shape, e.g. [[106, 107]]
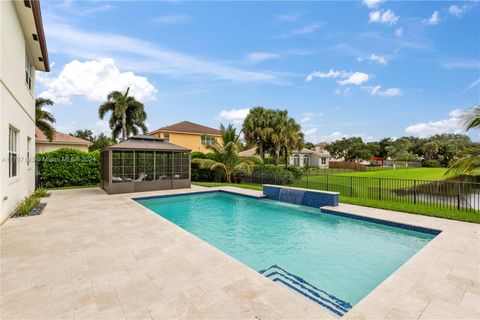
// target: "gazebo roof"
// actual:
[[144, 142]]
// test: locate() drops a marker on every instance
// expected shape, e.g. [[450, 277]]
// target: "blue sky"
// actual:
[[370, 69]]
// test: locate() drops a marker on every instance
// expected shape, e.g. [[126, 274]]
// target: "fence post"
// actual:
[[379, 189], [275, 178], [307, 179], [351, 186], [458, 197], [414, 191], [262, 177], [328, 189]]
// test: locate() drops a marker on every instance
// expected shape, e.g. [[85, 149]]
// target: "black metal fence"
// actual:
[[464, 196]]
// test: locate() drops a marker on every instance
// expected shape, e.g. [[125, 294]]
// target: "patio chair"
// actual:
[[141, 177]]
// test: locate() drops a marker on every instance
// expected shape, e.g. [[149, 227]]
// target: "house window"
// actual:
[[166, 136], [306, 160], [29, 142], [296, 160], [208, 140], [324, 160], [28, 71], [12, 152]]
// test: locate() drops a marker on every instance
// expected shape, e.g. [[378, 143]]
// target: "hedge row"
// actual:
[[68, 167]]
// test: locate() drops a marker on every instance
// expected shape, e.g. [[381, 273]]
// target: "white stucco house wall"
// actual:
[[319, 157], [23, 50]]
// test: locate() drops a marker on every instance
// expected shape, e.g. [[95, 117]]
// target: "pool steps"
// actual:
[[296, 283]]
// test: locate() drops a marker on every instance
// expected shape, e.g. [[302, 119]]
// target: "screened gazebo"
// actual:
[[144, 163]]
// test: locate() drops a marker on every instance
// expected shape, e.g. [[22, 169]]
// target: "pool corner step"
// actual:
[[296, 283]]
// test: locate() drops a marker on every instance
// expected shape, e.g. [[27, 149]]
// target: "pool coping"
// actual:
[[416, 281]]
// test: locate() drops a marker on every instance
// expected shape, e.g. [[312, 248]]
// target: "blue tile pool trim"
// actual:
[[384, 222], [304, 197]]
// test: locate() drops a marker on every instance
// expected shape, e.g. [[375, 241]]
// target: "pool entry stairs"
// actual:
[[299, 285]]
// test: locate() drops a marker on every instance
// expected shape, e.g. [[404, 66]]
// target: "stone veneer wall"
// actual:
[[311, 198]]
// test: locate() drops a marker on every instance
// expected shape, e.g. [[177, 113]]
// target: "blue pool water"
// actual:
[[345, 257]]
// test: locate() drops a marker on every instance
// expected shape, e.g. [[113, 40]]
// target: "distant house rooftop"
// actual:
[[188, 127], [144, 142], [60, 138]]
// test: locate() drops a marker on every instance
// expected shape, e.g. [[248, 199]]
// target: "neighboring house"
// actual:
[[305, 157], [189, 135], [23, 50], [60, 140], [313, 158]]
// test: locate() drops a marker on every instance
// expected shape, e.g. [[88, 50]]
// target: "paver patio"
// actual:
[[95, 256]]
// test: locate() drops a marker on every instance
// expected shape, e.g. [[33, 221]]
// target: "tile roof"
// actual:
[[189, 127], [145, 142], [59, 138]]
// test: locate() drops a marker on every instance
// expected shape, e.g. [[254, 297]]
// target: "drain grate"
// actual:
[[296, 283]]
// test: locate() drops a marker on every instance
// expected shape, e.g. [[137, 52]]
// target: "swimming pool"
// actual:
[[334, 256]]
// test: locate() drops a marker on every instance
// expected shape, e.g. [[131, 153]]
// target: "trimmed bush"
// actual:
[[297, 172], [431, 163], [204, 175], [68, 167], [273, 174]]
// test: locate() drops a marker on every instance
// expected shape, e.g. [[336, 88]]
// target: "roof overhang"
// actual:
[[30, 17]]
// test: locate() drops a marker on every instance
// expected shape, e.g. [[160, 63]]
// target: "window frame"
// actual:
[[28, 71], [13, 134], [208, 140], [29, 144]]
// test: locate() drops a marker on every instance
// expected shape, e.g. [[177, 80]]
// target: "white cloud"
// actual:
[[330, 74], [94, 80], [92, 10], [372, 3], [289, 17], [460, 64], [233, 115], [399, 32], [453, 124], [390, 92], [356, 78], [172, 19], [457, 11], [306, 117], [338, 135], [382, 16], [374, 58], [302, 31], [473, 84], [433, 20], [309, 132], [256, 57], [143, 56]]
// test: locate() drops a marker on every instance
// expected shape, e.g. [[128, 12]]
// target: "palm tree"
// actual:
[[44, 120], [227, 161], [254, 129], [128, 115], [471, 163], [292, 139]]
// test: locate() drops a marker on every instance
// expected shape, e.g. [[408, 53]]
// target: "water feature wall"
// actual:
[[305, 197]]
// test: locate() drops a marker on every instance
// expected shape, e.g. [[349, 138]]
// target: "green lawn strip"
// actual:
[[221, 184], [446, 213], [403, 173], [75, 187]]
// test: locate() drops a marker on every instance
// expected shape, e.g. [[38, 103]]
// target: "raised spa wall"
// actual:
[[305, 197]]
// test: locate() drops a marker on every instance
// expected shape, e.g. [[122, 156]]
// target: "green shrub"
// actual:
[[40, 192], [204, 175], [26, 205], [273, 174], [431, 163], [297, 172], [68, 167]]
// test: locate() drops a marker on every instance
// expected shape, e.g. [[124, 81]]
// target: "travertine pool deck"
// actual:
[[96, 256]]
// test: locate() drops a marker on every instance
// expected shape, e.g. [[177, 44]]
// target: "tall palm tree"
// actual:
[[292, 139], [127, 114], [254, 129], [44, 120], [227, 161], [471, 163]]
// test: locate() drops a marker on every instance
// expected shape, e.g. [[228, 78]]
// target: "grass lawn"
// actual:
[[447, 213], [403, 173]]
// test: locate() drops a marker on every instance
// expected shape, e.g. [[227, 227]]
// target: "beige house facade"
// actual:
[[23, 51], [60, 140]]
